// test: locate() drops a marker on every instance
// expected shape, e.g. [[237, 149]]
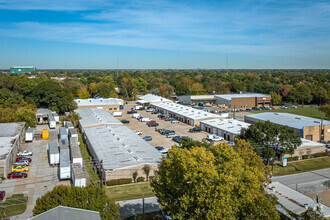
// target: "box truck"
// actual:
[[76, 156], [29, 135], [117, 114], [53, 153], [51, 122], [138, 107], [78, 176]]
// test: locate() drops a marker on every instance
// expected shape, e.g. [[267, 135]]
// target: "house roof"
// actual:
[[99, 101]]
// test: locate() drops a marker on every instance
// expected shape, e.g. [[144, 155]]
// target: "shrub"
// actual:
[[304, 157], [151, 177], [140, 179], [323, 154], [293, 158], [119, 182]]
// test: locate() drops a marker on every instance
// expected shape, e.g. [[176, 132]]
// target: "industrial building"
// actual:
[[11, 135], [307, 147], [93, 117], [123, 152], [305, 127], [183, 113], [109, 104], [22, 69], [46, 116], [242, 100], [148, 99], [226, 128]]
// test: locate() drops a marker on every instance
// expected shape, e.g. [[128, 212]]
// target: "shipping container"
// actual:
[[63, 134], [65, 167], [29, 135], [45, 134], [76, 156], [73, 133], [78, 176], [53, 153]]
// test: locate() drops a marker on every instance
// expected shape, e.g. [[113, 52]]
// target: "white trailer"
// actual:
[[53, 153], [138, 107], [73, 133], [56, 117], [78, 176], [52, 121], [65, 168], [29, 135], [117, 114], [135, 115], [63, 134], [76, 156], [145, 119]]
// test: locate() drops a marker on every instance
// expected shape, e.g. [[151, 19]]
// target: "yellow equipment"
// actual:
[[45, 134]]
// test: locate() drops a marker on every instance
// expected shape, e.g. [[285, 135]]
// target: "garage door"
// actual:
[[214, 131], [202, 127], [219, 133]]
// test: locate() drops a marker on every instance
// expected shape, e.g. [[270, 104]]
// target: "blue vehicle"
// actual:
[[121, 107], [248, 109], [147, 138]]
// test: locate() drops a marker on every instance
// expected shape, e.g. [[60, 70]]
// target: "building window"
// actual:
[[309, 137], [114, 108]]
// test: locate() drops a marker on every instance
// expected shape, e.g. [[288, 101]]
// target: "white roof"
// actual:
[[119, 147], [154, 98], [229, 125], [100, 101], [292, 200], [185, 111], [95, 116], [9, 132], [305, 142], [244, 95], [22, 67]]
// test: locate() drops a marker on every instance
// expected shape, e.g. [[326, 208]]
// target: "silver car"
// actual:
[[22, 163]]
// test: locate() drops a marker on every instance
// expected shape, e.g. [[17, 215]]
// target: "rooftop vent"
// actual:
[[136, 158], [275, 113], [129, 151], [317, 122], [297, 118]]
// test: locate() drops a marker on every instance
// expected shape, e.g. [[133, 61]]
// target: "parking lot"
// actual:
[[180, 128], [41, 177]]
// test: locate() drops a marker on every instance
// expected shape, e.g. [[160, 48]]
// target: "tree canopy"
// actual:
[[91, 197], [221, 182]]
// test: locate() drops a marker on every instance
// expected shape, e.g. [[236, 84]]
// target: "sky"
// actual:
[[165, 34]]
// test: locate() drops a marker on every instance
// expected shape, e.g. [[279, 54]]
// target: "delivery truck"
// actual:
[[117, 114], [53, 153], [29, 135]]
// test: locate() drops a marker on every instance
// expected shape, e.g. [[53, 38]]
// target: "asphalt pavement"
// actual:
[[135, 206]]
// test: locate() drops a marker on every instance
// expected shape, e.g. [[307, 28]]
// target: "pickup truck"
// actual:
[[24, 153], [213, 138], [153, 124], [171, 135], [195, 129], [138, 132]]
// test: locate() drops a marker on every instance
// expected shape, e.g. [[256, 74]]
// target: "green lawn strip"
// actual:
[[302, 166], [14, 205], [151, 215], [130, 191], [307, 111], [89, 166]]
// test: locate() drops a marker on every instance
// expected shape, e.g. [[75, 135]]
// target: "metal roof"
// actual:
[[64, 158], [154, 98], [30, 130], [75, 151], [78, 171], [292, 200], [229, 125], [62, 131], [291, 120], [9, 132], [94, 116], [100, 101], [119, 147], [185, 111], [63, 212], [244, 95], [53, 147], [22, 67]]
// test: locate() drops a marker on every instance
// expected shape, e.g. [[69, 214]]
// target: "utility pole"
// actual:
[[234, 111], [143, 207], [101, 174]]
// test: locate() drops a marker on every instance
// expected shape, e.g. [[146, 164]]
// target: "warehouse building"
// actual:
[[148, 99], [109, 104], [11, 135], [93, 117], [183, 113], [46, 116], [308, 148], [242, 100], [22, 69], [305, 127], [123, 152], [226, 128]]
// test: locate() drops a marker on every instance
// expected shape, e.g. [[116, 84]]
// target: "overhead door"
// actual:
[[214, 131], [202, 127]]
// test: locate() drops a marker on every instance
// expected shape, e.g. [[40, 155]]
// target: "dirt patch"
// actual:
[[325, 197]]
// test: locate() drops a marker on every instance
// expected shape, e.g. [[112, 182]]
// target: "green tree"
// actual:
[[9, 98], [220, 183], [91, 197], [26, 114], [320, 95], [83, 93], [325, 108], [276, 98], [187, 142], [269, 138], [302, 93]]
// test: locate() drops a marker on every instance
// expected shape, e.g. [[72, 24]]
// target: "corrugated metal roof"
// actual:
[[78, 171], [93, 116], [291, 120], [154, 98], [9, 132], [229, 125], [53, 147], [244, 95], [92, 102], [75, 151]]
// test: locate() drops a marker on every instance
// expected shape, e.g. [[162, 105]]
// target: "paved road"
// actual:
[[315, 176], [132, 207]]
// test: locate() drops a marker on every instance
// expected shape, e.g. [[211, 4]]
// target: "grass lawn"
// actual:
[[302, 166], [14, 205], [130, 191], [150, 215], [90, 168], [307, 111]]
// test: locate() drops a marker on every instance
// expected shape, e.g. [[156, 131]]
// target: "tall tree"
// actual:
[[276, 98], [220, 183], [302, 93]]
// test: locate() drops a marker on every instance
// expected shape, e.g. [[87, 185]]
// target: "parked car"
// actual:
[[292, 106], [195, 129], [171, 135], [248, 109], [153, 125], [214, 138], [231, 143], [15, 175], [150, 110], [150, 122], [125, 121], [138, 132], [22, 163], [2, 195], [19, 169], [176, 139], [327, 149], [170, 119], [255, 108], [25, 153], [147, 138], [174, 121], [23, 158], [272, 107], [154, 112], [284, 107], [166, 131], [131, 112]]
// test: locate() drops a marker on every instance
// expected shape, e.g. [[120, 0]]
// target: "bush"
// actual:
[[119, 182], [140, 179], [293, 158], [304, 157], [151, 177], [323, 154]]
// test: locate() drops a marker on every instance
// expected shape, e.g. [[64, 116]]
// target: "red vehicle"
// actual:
[[151, 122], [14, 175], [2, 195], [23, 158]]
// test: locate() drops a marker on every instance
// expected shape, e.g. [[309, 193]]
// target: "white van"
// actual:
[[117, 114]]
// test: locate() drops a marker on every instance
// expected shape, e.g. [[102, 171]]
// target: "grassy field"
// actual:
[[130, 191], [302, 166], [14, 205], [307, 111], [90, 168]]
